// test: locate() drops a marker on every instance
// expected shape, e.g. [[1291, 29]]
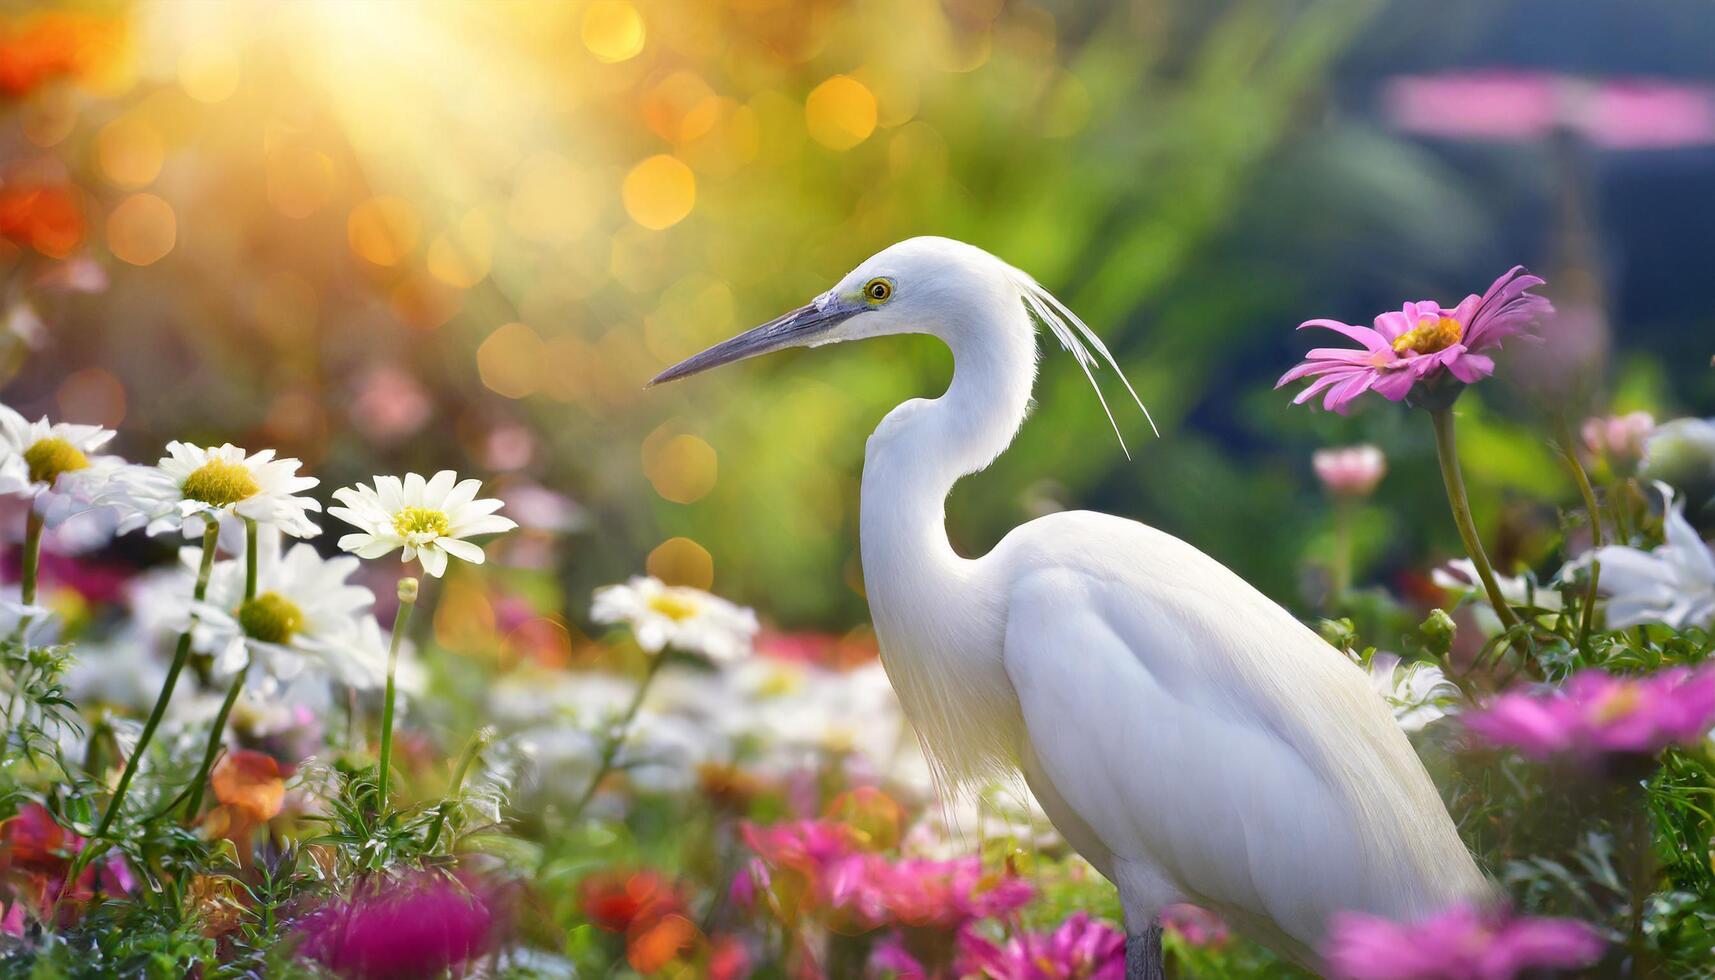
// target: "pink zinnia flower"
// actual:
[[1349, 471], [1619, 438], [1459, 944], [422, 925], [1422, 341], [1081, 948], [1597, 712]]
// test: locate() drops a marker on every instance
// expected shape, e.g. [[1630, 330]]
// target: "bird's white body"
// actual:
[[1187, 735]]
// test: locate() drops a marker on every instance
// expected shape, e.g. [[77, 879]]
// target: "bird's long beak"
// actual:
[[799, 328]]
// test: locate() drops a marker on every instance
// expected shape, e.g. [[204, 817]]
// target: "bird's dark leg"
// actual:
[[1143, 958]]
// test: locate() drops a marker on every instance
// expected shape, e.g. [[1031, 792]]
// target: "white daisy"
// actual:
[[429, 519], [683, 618], [36, 624], [191, 485], [304, 610], [1673, 585], [55, 465], [1419, 693]]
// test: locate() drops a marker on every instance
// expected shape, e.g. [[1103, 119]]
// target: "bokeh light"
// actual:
[[142, 229], [840, 113], [660, 192], [681, 561], [383, 230], [613, 30]]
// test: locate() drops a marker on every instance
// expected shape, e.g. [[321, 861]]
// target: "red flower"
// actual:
[[617, 900]]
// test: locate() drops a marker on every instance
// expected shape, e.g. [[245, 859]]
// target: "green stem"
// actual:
[[249, 559], [472, 748], [1342, 570], [620, 730], [1447, 449], [210, 538], [401, 622], [32, 556], [216, 734], [1594, 512], [212, 749]]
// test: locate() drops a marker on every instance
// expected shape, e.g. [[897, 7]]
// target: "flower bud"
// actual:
[[1438, 632], [408, 589], [1350, 471]]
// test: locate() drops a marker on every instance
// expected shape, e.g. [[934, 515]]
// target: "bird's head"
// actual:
[[920, 285]]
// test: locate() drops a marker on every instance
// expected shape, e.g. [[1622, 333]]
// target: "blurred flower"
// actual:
[[22, 321], [37, 49], [422, 925], [873, 818], [74, 276], [617, 899], [43, 217], [1423, 341], [1195, 925], [686, 619], [1673, 585], [191, 485], [55, 465], [537, 508], [1349, 471], [1521, 106], [429, 519], [1619, 439], [1459, 576], [1681, 453], [1419, 693], [37, 621], [303, 609], [1080, 948], [390, 404], [1461, 943], [251, 783], [1596, 712]]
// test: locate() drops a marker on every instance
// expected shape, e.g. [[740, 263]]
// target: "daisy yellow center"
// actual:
[[271, 618], [421, 520], [48, 458], [219, 483], [1621, 703], [673, 607], [1431, 334]]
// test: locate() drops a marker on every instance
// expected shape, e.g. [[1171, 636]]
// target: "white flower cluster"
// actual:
[[277, 610]]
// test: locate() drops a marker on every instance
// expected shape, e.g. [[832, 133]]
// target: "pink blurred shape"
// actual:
[[1523, 106]]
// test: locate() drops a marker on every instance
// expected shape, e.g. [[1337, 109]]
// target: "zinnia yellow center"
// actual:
[[219, 483], [48, 458], [1431, 334], [673, 607], [271, 618], [1622, 702], [421, 520]]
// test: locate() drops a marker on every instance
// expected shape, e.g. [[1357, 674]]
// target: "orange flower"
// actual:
[[44, 217], [251, 783], [654, 943], [873, 816], [616, 900]]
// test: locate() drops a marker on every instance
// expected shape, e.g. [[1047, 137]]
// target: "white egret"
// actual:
[[1186, 734]]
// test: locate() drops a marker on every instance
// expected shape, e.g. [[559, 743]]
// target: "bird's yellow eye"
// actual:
[[878, 290]]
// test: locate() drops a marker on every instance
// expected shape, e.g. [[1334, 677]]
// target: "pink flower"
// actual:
[[1597, 712], [1461, 943], [422, 925], [1350, 471], [817, 866], [1619, 438], [1197, 926], [1081, 948], [1422, 341]]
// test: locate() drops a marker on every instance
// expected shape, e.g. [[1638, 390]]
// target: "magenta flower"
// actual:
[[1081, 948], [420, 926], [1619, 438], [1461, 943], [1197, 926], [1596, 712], [941, 895], [1422, 341]]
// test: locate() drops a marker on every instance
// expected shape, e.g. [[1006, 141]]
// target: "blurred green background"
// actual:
[[382, 237]]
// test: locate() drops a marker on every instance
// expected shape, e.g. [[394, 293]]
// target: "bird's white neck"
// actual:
[[931, 611]]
